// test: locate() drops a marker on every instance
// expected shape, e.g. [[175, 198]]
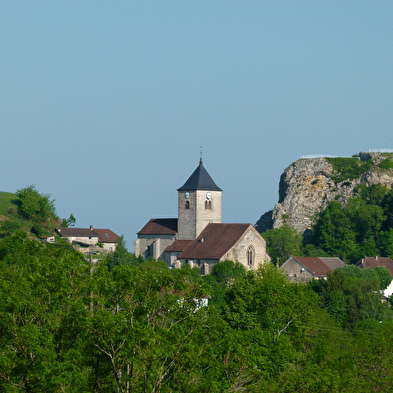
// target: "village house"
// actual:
[[90, 239], [47, 239], [198, 237], [299, 269], [376, 261]]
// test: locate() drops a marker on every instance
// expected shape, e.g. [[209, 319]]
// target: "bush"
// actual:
[[38, 230], [386, 164], [33, 205], [10, 227], [348, 168]]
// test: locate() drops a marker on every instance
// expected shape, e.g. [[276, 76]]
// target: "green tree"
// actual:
[[384, 277], [275, 314], [33, 205], [44, 321], [68, 222], [351, 294], [387, 205], [366, 219], [10, 227], [333, 233], [373, 195], [385, 242], [221, 277], [283, 242], [121, 256], [226, 272], [148, 329]]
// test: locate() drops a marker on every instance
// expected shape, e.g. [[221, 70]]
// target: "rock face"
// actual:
[[308, 185]]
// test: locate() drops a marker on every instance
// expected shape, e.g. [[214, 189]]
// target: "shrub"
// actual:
[[386, 164], [10, 227], [348, 168]]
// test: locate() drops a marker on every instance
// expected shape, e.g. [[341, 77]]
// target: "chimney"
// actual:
[[91, 227], [376, 257]]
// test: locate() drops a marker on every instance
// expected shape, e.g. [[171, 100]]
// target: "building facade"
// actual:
[[198, 237]]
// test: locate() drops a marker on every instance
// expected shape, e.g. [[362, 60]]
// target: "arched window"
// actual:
[[250, 255], [208, 205], [187, 204]]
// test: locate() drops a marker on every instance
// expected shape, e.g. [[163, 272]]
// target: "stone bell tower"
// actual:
[[199, 203]]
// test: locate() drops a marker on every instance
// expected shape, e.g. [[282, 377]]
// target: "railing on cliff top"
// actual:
[[380, 151], [322, 156], [329, 156]]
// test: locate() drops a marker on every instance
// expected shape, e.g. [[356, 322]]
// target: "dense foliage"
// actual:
[[33, 205], [30, 211], [348, 168], [69, 326], [363, 226], [283, 242]]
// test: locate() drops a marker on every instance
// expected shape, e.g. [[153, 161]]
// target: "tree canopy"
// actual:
[[33, 205], [71, 326]]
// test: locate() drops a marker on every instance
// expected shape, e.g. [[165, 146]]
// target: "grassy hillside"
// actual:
[[6, 204], [11, 219]]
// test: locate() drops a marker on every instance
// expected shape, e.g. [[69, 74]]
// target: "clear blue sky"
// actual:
[[105, 104]]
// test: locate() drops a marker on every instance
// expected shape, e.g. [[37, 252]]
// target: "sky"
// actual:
[[107, 105]]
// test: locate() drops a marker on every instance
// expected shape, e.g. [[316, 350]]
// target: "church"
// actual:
[[198, 237]]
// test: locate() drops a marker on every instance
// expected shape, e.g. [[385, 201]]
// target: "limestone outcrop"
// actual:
[[309, 184]]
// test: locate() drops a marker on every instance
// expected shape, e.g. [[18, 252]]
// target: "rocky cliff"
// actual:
[[309, 184]]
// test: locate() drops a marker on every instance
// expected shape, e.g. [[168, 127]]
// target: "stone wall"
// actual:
[[194, 219]]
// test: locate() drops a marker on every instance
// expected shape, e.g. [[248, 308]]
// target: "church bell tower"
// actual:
[[199, 203]]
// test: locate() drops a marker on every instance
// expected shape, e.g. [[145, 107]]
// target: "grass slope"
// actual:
[[6, 204], [9, 212]]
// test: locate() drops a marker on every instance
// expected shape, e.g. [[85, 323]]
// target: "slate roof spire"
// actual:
[[200, 180]]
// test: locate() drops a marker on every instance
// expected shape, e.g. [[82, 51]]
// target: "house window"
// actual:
[[250, 255], [187, 205]]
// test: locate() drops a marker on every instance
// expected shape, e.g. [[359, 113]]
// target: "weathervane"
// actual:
[[200, 157]]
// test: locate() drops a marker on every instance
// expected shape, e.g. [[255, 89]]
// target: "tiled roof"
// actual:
[[178, 245], [214, 241], [332, 262], [160, 226], [106, 235], [377, 261], [314, 265], [200, 180], [76, 232], [103, 235]]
